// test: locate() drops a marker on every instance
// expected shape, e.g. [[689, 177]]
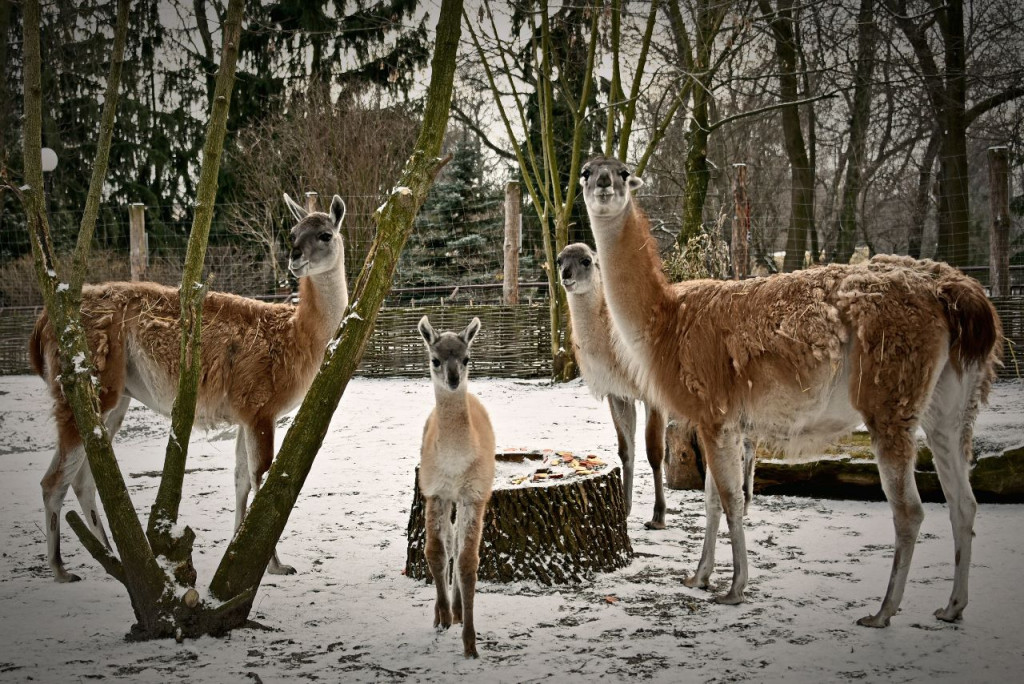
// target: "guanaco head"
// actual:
[[449, 354], [607, 186], [317, 246], [578, 269]]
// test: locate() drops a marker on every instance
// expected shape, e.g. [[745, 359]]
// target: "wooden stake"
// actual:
[[741, 225], [513, 238], [999, 232], [137, 236]]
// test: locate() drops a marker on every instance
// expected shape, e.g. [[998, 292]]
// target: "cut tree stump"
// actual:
[[554, 531], [684, 468]]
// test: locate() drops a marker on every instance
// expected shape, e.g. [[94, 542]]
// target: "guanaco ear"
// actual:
[[635, 183], [337, 211], [471, 330], [427, 331], [298, 212]]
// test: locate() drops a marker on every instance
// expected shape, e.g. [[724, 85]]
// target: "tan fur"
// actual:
[[456, 469], [257, 361], [607, 375], [257, 358], [800, 358]]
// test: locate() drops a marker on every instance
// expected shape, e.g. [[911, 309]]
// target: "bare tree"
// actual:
[[353, 147], [938, 30], [782, 23], [860, 113]]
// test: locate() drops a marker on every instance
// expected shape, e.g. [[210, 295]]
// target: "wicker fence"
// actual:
[[514, 341]]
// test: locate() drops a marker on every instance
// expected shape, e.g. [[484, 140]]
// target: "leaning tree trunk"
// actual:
[[164, 514], [551, 533], [136, 568], [245, 561]]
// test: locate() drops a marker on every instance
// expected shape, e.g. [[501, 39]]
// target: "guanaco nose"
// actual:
[[566, 273], [604, 179], [296, 253], [452, 376]]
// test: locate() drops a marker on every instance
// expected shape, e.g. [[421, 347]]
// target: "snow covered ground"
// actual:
[[350, 614]]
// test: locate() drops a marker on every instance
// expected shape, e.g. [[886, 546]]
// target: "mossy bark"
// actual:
[[553, 534], [164, 514], [142, 576], [245, 561]]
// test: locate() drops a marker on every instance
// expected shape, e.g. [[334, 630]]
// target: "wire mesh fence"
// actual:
[[452, 264]]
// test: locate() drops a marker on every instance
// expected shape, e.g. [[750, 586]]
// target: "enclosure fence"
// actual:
[[454, 267]]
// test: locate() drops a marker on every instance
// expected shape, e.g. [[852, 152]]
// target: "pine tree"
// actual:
[[459, 231]]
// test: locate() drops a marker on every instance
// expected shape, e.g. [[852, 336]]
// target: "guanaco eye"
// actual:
[[585, 174], [465, 361], [324, 237], [624, 174], [436, 363], [585, 262], [558, 262]]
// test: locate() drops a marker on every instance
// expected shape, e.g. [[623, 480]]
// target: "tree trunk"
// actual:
[[954, 227], [143, 578], [245, 561], [513, 238], [802, 174], [684, 468], [562, 532], [696, 59], [860, 116], [697, 174], [995, 479], [563, 367], [922, 197], [192, 291], [741, 225]]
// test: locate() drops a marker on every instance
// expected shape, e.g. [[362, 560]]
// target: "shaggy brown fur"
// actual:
[[258, 360], [799, 359]]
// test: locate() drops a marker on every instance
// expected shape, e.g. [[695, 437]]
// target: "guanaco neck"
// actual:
[[635, 287], [323, 298], [452, 413], [590, 322]]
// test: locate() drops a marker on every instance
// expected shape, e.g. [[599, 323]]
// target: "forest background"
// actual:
[[859, 125]]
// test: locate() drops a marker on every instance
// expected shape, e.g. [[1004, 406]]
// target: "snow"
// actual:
[[350, 614]]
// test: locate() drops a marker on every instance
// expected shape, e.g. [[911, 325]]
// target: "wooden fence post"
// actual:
[[999, 233], [311, 203], [741, 225], [139, 259], [513, 237]]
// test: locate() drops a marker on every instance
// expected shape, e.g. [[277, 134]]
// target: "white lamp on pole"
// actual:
[[49, 160]]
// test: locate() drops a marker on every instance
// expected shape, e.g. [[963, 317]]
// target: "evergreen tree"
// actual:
[[168, 78], [458, 233]]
